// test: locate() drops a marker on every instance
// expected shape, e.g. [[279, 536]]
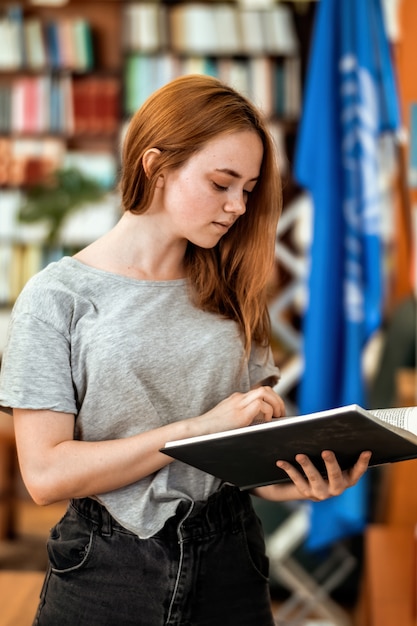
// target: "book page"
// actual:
[[403, 417]]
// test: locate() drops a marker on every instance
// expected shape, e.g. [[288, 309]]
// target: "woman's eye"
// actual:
[[219, 187]]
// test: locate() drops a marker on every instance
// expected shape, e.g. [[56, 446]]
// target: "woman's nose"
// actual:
[[236, 205]]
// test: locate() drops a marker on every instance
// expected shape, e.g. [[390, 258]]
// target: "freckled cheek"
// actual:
[[194, 206], [189, 202]]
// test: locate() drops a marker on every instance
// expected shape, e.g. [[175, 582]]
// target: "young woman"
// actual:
[[158, 331]]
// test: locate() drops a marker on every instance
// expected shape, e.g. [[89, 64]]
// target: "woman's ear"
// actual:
[[148, 161]]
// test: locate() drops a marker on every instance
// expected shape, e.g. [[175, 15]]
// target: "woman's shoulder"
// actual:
[[56, 276], [52, 292]]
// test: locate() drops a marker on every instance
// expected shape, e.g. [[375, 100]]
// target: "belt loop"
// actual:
[[239, 505], [230, 502], [104, 521]]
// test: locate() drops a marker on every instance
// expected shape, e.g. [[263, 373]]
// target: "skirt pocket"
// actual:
[[70, 543]]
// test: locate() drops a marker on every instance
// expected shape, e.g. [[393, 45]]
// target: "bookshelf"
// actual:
[[255, 50], [60, 84], [60, 102], [74, 72]]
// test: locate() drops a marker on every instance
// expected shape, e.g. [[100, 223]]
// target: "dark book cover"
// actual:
[[247, 457]]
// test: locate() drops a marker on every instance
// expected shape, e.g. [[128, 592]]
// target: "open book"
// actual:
[[247, 456]]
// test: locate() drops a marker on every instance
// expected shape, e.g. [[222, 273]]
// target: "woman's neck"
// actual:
[[136, 247]]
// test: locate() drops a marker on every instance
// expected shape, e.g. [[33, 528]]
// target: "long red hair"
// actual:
[[179, 119]]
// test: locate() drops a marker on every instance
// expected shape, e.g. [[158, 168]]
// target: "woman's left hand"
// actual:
[[309, 484]]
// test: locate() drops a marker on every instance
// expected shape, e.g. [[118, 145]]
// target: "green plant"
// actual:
[[52, 201]]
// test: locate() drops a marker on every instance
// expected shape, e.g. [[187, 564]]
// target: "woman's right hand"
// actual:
[[242, 409]]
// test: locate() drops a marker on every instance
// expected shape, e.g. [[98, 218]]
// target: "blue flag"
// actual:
[[350, 100]]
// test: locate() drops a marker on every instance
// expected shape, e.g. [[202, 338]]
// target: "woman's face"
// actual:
[[200, 201]]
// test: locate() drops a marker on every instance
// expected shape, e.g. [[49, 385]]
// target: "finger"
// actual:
[[312, 474], [322, 487], [360, 467], [263, 416], [297, 478], [270, 397], [256, 402], [256, 410], [275, 400], [335, 477]]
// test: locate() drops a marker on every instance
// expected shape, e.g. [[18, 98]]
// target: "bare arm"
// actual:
[[56, 467]]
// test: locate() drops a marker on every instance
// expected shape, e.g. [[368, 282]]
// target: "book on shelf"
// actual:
[[199, 65], [37, 105], [287, 87], [35, 44], [15, 35], [226, 29], [144, 73], [74, 50], [11, 53], [261, 80], [247, 456], [26, 261], [60, 105], [52, 45], [17, 108], [278, 87], [83, 45], [95, 104], [193, 28], [279, 30], [66, 43], [55, 105], [292, 86], [133, 81], [110, 105], [223, 28], [81, 102], [5, 108], [145, 27], [251, 30], [18, 263], [235, 72], [32, 105], [259, 77]]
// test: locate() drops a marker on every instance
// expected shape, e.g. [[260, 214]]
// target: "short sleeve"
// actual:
[[36, 364], [262, 368]]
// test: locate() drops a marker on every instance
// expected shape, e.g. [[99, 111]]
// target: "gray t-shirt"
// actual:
[[125, 356]]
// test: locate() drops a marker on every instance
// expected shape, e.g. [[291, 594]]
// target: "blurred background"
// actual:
[[336, 81]]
